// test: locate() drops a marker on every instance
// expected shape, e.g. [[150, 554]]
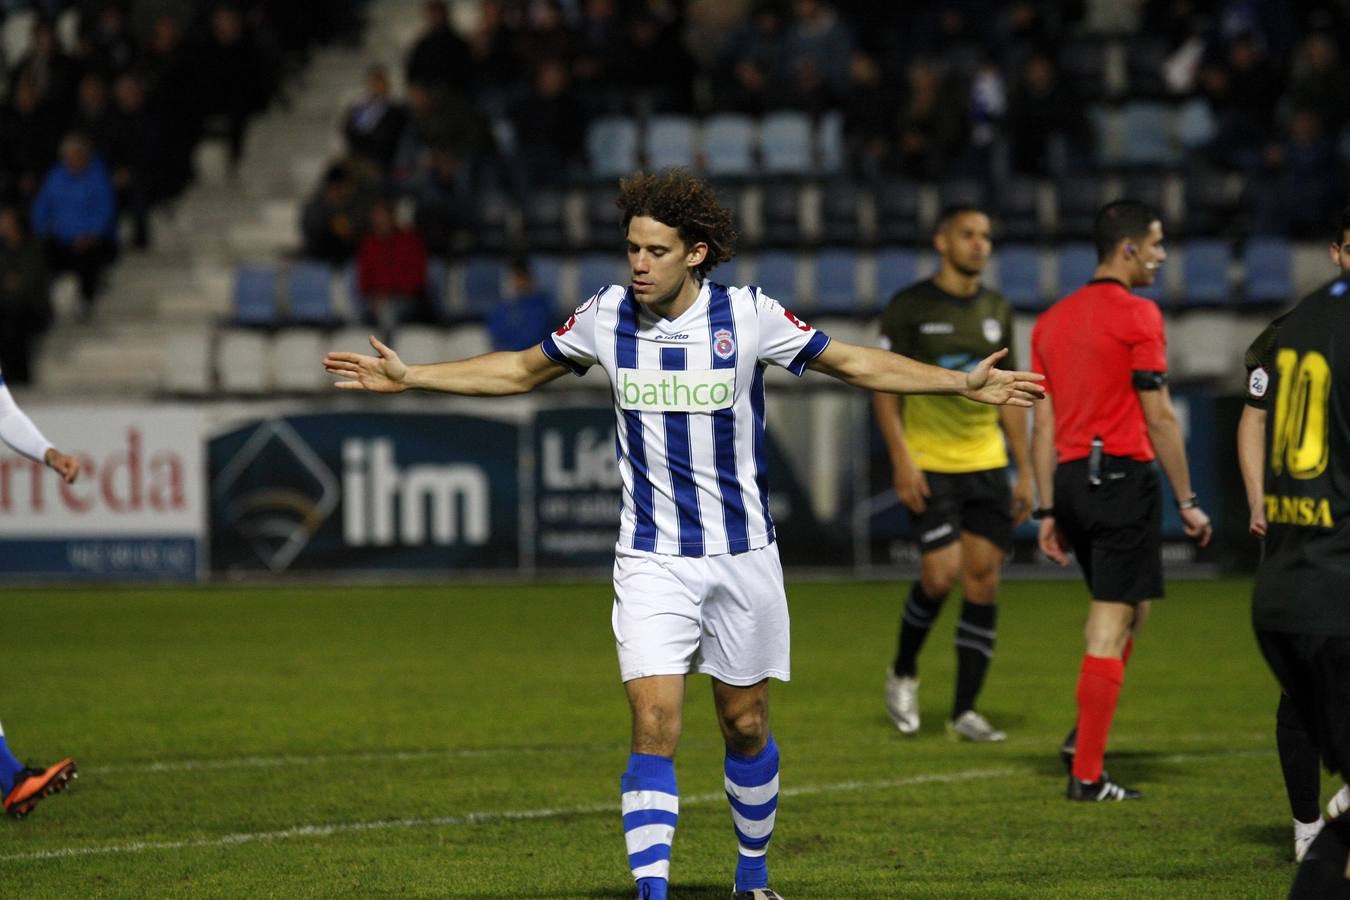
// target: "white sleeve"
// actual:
[[18, 431], [784, 339], [573, 345]]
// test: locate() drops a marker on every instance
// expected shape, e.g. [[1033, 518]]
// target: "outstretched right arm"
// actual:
[[490, 375]]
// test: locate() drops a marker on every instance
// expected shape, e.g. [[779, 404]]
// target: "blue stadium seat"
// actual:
[[785, 143], [670, 142], [897, 268], [836, 283], [830, 139], [1268, 263], [1147, 129], [612, 146], [309, 290], [1074, 267], [438, 279], [547, 273], [729, 146], [599, 270], [1205, 265], [1195, 124], [255, 295], [1019, 275], [776, 275], [483, 277]]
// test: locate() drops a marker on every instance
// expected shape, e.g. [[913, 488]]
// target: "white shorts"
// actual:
[[724, 615]]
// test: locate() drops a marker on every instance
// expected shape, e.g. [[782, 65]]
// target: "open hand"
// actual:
[[998, 387], [383, 374]]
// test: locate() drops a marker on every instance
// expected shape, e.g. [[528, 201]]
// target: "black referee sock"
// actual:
[[920, 612], [1299, 761], [974, 649]]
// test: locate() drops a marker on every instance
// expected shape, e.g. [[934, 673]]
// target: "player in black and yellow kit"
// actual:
[[950, 467], [1298, 754], [1300, 603]]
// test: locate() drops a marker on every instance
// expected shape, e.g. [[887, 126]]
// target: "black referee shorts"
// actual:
[[1115, 528], [1314, 671], [978, 502]]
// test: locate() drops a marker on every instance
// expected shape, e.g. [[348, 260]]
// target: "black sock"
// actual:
[[1298, 760], [974, 650], [1321, 875], [920, 612]]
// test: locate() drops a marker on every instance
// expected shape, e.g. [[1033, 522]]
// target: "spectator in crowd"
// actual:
[[653, 64], [1243, 89], [546, 36], [869, 116], [751, 77], [492, 58], [391, 271], [333, 219], [232, 78], [47, 68], [817, 47], [598, 38], [440, 58], [29, 133], [108, 46], [1045, 126], [1302, 186], [142, 169], [932, 122], [524, 317], [75, 214], [167, 75], [92, 116], [443, 201], [441, 121], [1317, 80], [374, 126], [25, 306], [550, 125]]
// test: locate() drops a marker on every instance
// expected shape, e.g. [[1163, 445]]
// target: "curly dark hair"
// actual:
[[686, 203]]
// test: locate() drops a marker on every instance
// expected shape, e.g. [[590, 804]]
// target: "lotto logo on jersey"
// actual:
[[801, 326], [723, 344], [704, 390]]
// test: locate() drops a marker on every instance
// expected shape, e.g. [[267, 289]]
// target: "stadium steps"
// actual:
[[183, 281]]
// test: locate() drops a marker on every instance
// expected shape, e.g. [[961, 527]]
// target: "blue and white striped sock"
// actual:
[[9, 766], [651, 807], [752, 788]]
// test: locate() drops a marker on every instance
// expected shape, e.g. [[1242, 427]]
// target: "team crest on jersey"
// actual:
[[993, 331], [723, 343], [1257, 383]]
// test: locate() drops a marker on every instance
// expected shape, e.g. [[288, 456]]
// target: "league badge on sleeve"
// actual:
[[724, 345], [1257, 383]]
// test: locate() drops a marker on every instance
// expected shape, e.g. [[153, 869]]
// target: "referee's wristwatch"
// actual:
[[1043, 512]]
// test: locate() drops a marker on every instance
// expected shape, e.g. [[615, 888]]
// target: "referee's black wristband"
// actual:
[[1191, 502], [1039, 513]]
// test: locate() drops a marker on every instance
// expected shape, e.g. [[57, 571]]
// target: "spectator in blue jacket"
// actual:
[[75, 213], [525, 317]]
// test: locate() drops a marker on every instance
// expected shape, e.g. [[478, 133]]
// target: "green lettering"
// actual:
[[650, 396], [700, 400], [724, 391], [681, 388], [632, 393]]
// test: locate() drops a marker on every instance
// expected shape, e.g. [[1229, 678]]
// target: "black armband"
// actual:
[[1145, 380]]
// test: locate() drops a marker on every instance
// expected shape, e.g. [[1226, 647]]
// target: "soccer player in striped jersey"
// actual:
[[697, 581], [23, 786]]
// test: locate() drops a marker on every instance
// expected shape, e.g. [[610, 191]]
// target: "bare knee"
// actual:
[[743, 715], [656, 729], [981, 585]]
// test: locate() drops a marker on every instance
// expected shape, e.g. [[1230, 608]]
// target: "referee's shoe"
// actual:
[[1099, 791]]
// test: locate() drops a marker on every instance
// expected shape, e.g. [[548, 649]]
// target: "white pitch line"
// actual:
[[490, 816]]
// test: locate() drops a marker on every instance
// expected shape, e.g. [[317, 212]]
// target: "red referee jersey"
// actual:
[[1088, 345]]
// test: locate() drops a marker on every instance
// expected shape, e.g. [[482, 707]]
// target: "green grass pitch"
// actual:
[[467, 741]]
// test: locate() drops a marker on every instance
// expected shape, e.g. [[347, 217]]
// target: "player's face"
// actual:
[[1340, 253], [965, 243], [1148, 256], [658, 261]]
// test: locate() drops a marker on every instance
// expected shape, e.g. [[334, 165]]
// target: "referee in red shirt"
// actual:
[[1106, 417]]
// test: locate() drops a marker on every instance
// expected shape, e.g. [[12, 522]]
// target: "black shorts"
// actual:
[[978, 502], [1314, 671], [1115, 528]]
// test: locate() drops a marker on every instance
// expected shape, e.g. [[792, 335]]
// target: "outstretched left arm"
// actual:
[[882, 370]]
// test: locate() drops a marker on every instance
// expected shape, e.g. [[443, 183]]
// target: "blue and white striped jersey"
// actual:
[[689, 400]]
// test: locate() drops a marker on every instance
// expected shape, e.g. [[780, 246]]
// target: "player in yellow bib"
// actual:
[[950, 462]]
